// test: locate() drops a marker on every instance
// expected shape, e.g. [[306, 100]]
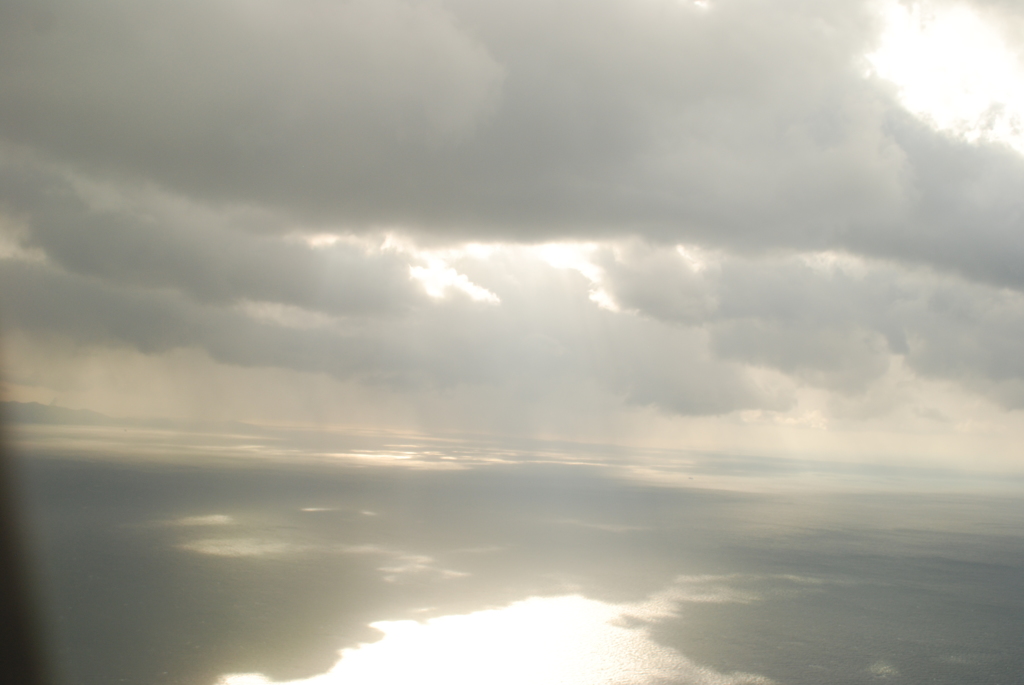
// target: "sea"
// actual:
[[233, 554]]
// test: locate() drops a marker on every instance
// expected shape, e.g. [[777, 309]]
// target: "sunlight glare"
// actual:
[[437, 278], [569, 640], [952, 70], [577, 257]]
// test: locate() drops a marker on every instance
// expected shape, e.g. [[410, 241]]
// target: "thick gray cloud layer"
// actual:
[[165, 166], [833, 321], [527, 347], [748, 126], [153, 242]]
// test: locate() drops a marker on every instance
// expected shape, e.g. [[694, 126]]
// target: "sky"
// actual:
[[782, 228]]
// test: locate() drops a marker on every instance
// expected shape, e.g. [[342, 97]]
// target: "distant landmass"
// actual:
[[34, 412], [28, 413]]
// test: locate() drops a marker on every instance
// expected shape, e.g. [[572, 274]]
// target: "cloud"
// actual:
[[142, 238], [468, 119], [751, 126], [524, 211], [685, 341], [442, 345], [231, 99], [953, 69], [832, 320]]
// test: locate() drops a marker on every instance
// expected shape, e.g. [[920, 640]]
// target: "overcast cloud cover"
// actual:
[[634, 220]]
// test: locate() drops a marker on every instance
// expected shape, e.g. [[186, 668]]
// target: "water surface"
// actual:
[[240, 558]]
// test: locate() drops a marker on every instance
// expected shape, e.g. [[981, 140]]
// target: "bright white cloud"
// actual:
[[438, 278], [579, 257], [953, 69], [694, 257], [284, 315]]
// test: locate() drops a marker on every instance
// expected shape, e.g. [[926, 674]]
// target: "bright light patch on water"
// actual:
[[953, 70], [241, 547], [211, 520], [567, 640]]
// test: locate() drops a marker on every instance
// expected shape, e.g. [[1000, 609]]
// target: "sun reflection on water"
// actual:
[[568, 640]]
